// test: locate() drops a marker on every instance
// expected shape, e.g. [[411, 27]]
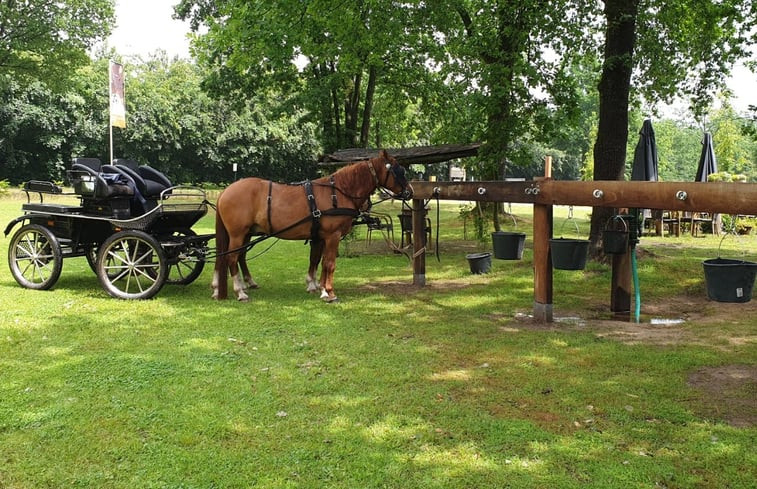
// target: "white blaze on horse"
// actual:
[[321, 211]]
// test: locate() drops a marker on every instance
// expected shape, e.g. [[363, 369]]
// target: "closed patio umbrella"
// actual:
[[708, 164], [644, 167]]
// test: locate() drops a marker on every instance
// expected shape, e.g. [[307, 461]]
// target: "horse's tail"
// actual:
[[221, 268]]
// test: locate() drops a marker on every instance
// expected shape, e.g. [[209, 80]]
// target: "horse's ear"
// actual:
[[384, 154]]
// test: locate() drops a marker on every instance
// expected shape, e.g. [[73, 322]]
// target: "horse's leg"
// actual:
[[330, 248], [215, 284], [248, 281], [235, 243], [316, 250], [220, 274]]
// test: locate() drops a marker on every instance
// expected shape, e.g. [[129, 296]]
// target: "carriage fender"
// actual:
[[10, 225]]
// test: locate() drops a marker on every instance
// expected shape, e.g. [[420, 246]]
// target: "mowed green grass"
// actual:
[[395, 387]]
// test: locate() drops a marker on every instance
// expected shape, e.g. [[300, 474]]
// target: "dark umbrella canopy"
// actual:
[[707, 162], [645, 157]]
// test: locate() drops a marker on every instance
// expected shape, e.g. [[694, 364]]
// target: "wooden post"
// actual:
[[547, 166], [543, 219], [542, 263], [620, 293], [419, 243]]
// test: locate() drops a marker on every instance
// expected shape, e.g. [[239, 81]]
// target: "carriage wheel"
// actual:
[[183, 269], [131, 265], [91, 255], [35, 257]]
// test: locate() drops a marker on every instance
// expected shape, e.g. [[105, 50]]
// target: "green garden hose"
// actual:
[[637, 292]]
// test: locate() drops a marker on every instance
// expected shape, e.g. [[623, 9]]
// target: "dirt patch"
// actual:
[[728, 392]]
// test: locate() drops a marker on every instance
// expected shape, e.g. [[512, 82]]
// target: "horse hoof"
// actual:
[[335, 300]]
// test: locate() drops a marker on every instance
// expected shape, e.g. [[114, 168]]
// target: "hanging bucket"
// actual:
[[569, 254], [508, 245], [615, 241], [729, 280], [479, 262]]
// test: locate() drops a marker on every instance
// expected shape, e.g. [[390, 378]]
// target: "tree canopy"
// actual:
[[277, 83], [46, 40]]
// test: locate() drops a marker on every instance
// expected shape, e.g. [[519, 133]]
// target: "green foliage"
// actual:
[[4, 186], [42, 40], [171, 124], [346, 63], [738, 224], [509, 88], [686, 48], [477, 215], [736, 152], [43, 130]]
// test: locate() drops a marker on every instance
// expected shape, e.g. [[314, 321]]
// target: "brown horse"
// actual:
[[321, 211]]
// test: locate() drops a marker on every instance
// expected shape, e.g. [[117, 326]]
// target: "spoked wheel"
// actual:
[[131, 265], [91, 255], [184, 266], [35, 257]]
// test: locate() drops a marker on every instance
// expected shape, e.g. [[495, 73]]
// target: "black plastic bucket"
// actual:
[[615, 237], [614, 241], [569, 254], [508, 245], [479, 262], [729, 280]]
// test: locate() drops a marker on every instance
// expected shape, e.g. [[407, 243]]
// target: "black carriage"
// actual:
[[132, 225]]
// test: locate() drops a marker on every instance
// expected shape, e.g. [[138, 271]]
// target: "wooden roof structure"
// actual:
[[419, 155]]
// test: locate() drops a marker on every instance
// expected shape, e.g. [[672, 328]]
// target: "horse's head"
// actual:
[[394, 176]]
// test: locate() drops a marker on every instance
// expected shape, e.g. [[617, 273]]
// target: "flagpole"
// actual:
[[110, 110], [111, 143], [117, 101]]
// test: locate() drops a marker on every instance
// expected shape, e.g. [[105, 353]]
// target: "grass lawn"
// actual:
[[447, 386]]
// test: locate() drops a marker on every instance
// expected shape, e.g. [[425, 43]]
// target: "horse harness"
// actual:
[[315, 213]]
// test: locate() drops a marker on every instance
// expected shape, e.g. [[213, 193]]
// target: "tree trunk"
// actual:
[[337, 118], [351, 110], [368, 107], [614, 87]]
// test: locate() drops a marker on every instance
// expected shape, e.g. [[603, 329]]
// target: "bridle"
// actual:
[[398, 172]]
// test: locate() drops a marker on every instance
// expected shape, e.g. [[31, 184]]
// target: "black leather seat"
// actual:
[[90, 181], [149, 181]]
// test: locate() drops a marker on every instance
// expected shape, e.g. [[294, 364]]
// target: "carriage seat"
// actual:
[[149, 181], [89, 181]]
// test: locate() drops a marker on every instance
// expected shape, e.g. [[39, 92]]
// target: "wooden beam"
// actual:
[[725, 198], [714, 197]]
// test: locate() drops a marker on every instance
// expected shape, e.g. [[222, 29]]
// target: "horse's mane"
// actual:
[[355, 176]]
